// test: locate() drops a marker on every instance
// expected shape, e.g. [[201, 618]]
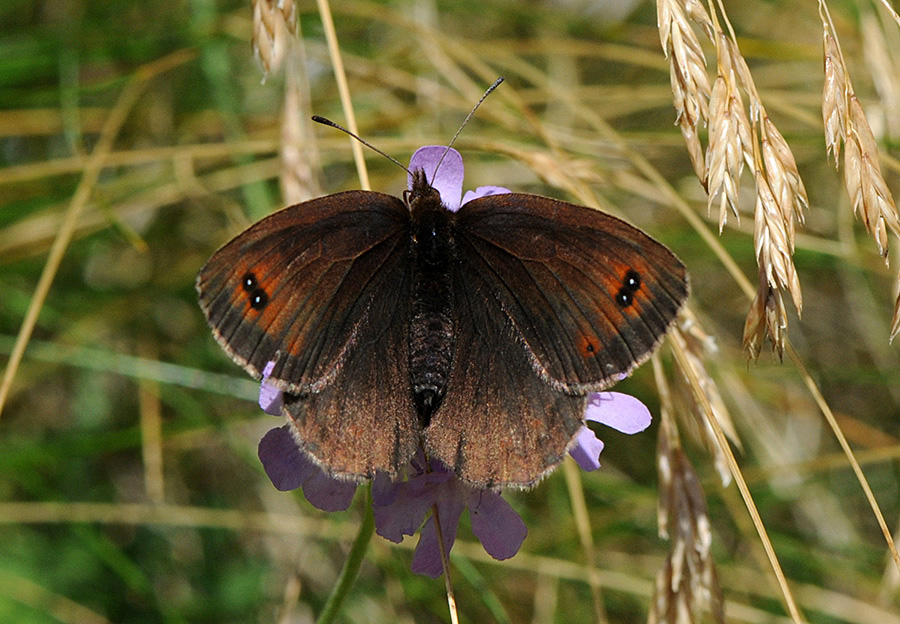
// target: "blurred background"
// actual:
[[140, 136]]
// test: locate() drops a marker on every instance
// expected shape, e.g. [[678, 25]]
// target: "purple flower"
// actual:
[[613, 409], [400, 508], [449, 179], [270, 398]]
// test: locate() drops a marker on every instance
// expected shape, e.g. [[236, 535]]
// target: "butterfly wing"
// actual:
[[294, 287], [498, 424], [590, 295], [553, 301], [364, 420], [298, 288]]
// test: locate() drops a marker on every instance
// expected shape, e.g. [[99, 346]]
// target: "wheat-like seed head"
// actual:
[[725, 153], [834, 97], [869, 193], [273, 20], [687, 584], [845, 120], [688, 74]]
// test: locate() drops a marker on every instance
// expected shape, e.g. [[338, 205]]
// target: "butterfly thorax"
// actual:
[[431, 321]]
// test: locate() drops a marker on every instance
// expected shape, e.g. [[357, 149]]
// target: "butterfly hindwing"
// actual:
[[498, 424], [364, 420]]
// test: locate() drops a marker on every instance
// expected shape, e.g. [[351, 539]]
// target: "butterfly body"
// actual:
[[431, 326], [476, 334]]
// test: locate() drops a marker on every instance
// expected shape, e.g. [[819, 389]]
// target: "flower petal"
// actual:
[[289, 468], [586, 450], [270, 397], [403, 513], [449, 179], [328, 494], [285, 464], [497, 526], [427, 557], [484, 191], [619, 411]]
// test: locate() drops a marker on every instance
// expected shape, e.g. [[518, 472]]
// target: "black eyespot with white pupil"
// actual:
[[258, 297], [631, 283]]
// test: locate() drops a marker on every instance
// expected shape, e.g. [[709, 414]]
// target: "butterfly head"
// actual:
[[421, 195]]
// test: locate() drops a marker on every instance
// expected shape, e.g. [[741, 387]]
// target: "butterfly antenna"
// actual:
[[490, 90], [327, 122]]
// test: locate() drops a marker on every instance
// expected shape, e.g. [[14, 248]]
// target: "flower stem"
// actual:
[[445, 563], [351, 565]]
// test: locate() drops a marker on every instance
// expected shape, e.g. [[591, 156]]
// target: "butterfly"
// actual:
[[475, 332]]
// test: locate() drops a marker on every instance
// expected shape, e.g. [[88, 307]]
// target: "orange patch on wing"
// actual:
[[588, 346]]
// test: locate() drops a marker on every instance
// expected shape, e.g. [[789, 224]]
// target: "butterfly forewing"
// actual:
[[321, 262], [590, 295]]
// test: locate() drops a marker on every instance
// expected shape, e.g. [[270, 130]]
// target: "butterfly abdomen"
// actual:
[[431, 323]]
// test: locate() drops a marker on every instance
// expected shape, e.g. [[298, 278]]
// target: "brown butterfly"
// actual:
[[477, 333]]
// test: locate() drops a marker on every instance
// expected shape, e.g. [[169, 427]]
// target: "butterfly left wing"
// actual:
[[321, 289]]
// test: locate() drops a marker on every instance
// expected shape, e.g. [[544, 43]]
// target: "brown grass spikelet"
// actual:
[[729, 136], [783, 177], [774, 246], [273, 21], [869, 193], [845, 121], [687, 584], [687, 70], [834, 96]]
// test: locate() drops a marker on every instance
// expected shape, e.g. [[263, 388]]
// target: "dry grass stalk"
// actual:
[[895, 322], [298, 182], [687, 584], [687, 69], [300, 164], [273, 20]]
